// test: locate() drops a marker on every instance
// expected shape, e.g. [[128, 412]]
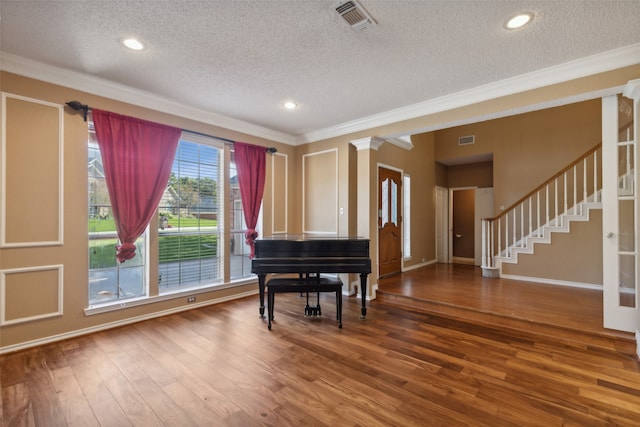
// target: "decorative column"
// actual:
[[367, 212]]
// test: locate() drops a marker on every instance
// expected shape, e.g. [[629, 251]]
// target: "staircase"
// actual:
[[568, 196], [560, 224]]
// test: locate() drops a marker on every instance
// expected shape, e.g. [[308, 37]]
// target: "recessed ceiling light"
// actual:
[[133, 44], [290, 105], [519, 21]]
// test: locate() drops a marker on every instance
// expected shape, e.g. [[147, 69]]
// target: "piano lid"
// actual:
[[310, 246], [309, 237]]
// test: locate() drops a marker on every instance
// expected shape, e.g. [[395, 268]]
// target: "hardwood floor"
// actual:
[[461, 291], [221, 366]]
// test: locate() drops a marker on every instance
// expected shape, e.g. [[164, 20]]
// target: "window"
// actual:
[[108, 279], [190, 217], [406, 181], [190, 227]]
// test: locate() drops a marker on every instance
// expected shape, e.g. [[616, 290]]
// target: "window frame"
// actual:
[[406, 217], [153, 294], [193, 138]]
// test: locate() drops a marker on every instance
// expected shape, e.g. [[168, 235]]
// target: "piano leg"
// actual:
[[363, 295], [261, 280]]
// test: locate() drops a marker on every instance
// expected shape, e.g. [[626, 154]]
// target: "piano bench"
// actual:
[[309, 284]]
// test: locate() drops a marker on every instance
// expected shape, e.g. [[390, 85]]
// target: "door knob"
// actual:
[[611, 235]]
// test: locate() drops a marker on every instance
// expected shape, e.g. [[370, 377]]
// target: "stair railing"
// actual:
[[563, 193]]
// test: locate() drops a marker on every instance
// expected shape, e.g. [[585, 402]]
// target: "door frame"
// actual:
[[444, 207], [615, 315], [442, 224]]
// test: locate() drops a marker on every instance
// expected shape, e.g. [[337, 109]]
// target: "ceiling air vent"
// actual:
[[467, 140], [354, 15]]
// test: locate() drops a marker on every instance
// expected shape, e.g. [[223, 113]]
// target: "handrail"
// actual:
[[547, 182], [562, 193], [567, 194]]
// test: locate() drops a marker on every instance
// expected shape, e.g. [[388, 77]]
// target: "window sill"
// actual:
[[167, 296]]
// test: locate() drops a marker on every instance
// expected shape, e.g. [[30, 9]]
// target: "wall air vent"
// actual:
[[354, 15], [467, 140]]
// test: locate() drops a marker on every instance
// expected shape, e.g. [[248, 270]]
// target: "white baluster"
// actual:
[[538, 214]]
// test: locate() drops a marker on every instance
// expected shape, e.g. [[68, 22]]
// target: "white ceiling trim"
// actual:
[[511, 112], [583, 67], [403, 142], [603, 62], [109, 89]]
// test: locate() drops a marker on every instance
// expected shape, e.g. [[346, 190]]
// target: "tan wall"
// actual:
[[517, 160], [470, 175], [527, 149], [533, 146], [320, 192], [32, 272], [571, 257]]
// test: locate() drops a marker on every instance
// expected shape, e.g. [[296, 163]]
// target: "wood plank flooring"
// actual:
[[220, 366], [461, 291]]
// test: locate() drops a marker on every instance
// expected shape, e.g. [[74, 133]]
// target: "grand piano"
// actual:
[[306, 254]]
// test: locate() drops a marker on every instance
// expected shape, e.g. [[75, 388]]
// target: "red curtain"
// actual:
[[137, 156], [251, 166]]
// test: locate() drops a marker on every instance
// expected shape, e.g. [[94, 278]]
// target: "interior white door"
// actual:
[[620, 217]]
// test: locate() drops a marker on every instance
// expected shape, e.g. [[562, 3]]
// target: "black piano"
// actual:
[[311, 255]]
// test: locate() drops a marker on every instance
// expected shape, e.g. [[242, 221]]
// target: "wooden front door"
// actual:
[[389, 220]]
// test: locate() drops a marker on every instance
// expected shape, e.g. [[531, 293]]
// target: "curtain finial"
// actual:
[[79, 106]]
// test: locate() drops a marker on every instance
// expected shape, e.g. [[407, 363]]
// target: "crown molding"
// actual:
[[403, 142], [108, 89], [632, 90], [587, 96], [599, 63], [607, 61]]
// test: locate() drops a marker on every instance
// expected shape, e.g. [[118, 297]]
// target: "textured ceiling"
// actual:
[[243, 59]]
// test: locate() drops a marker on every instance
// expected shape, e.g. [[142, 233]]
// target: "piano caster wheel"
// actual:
[[269, 326], [340, 326]]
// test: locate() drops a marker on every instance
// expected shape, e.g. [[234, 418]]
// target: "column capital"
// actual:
[[368, 143]]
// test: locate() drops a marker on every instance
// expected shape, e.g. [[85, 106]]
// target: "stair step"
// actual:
[[610, 341], [548, 229]]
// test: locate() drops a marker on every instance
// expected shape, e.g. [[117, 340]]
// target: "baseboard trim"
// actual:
[[118, 323], [552, 282], [422, 264], [463, 260]]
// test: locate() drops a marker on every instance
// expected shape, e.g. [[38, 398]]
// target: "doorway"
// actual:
[[462, 226], [471, 206], [389, 221]]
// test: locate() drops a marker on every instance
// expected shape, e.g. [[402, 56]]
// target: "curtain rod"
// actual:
[[84, 109]]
